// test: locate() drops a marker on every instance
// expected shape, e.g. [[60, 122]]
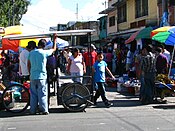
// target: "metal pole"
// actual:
[[164, 6], [171, 62]]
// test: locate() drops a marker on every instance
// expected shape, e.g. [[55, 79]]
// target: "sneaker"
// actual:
[[108, 104], [44, 113]]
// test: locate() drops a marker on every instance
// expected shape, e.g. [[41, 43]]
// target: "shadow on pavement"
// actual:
[[119, 103], [164, 107], [126, 103], [61, 110], [4, 114]]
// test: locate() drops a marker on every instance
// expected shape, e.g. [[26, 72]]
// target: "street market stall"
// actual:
[[73, 96]]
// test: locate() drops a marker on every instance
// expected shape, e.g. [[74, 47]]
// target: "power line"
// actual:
[[34, 25]]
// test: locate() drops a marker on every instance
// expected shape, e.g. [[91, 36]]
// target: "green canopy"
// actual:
[[144, 33]]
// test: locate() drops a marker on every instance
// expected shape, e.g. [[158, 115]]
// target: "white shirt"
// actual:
[[129, 57], [167, 54], [76, 64], [67, 55], [23, 59]]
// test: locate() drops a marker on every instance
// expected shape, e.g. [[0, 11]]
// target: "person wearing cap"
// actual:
[[38, 77], [89, 57], [23, 60]]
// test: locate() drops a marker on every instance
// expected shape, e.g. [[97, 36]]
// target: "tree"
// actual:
[[11, 11]]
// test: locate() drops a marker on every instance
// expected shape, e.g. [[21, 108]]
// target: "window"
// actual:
[[112, 21], [141, 8], [122, 13]]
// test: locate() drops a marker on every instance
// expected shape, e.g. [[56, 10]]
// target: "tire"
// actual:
[[16, 98], [75, 97]]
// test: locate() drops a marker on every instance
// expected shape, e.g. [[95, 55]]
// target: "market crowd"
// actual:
[[38, 65]]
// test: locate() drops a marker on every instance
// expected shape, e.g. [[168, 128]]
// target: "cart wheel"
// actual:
[[75, 97], [16, 98]]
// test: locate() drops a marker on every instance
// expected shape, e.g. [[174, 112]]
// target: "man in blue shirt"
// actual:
[[99, 69], [38, 77]]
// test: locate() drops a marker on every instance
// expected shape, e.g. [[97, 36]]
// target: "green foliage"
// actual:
[[11, 11]]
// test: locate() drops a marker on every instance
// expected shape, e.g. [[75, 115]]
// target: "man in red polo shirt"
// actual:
[[90, 58]]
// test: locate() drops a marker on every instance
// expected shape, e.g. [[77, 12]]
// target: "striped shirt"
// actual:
[[148, 63]]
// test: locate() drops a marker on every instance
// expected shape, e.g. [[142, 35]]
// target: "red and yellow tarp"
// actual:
[[14, 44]]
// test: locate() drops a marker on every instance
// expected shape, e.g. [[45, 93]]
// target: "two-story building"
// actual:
[[125, 17]]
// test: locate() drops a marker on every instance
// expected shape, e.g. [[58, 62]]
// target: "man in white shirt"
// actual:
[[23, 59], [167, 54]]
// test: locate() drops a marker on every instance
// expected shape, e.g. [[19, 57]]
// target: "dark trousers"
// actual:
[[100, 92], [148, 87]]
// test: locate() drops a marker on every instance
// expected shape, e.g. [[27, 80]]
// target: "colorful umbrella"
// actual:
[[131, 38], [14, 44], [164, 35], [144, 33], [162, 29]]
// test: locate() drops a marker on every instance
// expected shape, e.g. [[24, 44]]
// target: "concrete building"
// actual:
[[125, 17]]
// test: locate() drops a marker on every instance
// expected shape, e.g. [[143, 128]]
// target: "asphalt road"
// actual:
[[126, 114]]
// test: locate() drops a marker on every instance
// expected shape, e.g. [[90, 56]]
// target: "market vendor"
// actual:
[[161, 62]]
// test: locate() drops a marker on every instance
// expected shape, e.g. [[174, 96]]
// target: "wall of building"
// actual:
[[112, 29], [152, 14]]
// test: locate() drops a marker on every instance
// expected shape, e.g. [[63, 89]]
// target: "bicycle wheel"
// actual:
[[16, 98], [75, 97]]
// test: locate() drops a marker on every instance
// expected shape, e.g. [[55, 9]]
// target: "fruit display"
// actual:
[[164, 79]]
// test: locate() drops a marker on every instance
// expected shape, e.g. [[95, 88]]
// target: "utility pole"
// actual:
[[104, 3], [77, 12]]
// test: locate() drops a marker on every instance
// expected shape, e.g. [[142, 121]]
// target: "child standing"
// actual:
[[99, 69]]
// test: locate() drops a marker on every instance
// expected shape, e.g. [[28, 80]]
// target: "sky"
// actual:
[[43, 14]]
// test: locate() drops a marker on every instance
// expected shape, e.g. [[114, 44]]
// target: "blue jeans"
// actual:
[[38, 94]]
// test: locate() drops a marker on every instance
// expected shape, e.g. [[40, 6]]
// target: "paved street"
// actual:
[[125, 115]]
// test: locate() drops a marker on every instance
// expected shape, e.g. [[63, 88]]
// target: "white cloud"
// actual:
[[49, 13]]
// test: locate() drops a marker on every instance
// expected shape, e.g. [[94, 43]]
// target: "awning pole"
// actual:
[[171, 62]]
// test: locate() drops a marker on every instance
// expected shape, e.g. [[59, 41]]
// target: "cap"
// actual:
[[93, 47], [31, 44]]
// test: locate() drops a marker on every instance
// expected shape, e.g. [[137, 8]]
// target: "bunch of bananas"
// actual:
[[164, 79]]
